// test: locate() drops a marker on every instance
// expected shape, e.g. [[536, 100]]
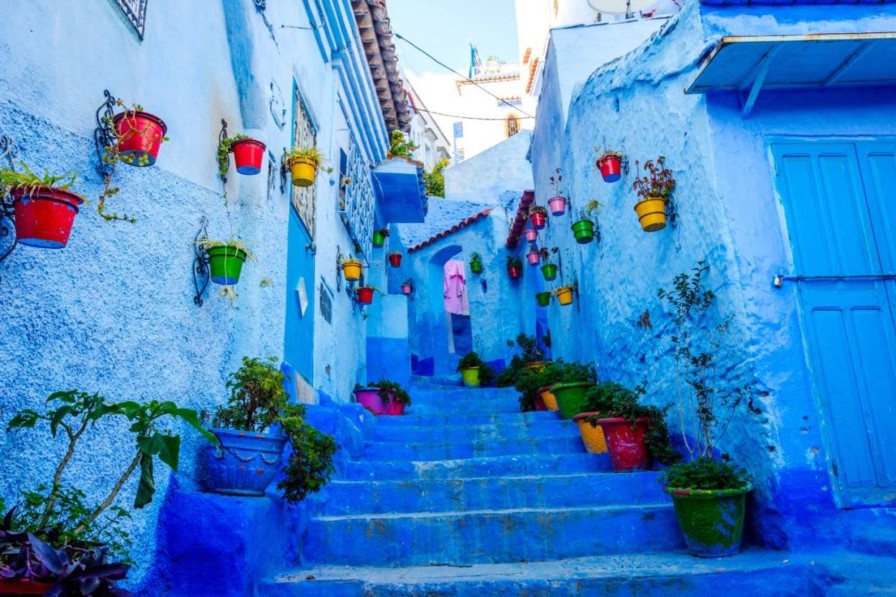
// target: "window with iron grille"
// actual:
[[304, 199], [511, 125], [135, 12], [356, 198]]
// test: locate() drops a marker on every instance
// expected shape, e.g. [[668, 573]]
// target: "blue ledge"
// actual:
[[400, 191]]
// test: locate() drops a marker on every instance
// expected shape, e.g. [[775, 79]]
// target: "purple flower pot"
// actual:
[[244, 462]]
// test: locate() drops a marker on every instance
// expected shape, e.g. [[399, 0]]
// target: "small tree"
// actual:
[[435, 179]]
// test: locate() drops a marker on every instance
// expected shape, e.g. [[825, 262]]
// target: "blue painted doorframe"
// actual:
[[298, 349], [837, 198]]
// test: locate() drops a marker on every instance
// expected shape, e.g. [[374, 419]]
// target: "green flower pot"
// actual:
[[226, 263], [571, 397], [549, 270], [712, 521], [543, 298], [583, 230], [378, 239], [476, 267]]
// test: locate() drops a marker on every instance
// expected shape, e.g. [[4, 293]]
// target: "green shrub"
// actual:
[[705, 472]]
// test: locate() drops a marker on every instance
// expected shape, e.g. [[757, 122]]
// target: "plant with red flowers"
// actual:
[[657, 180]]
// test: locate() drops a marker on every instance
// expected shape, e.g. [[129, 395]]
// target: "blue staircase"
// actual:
[[465, 495]]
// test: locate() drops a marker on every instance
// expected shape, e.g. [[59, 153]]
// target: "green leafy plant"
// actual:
[[530, 352], [471, 360], [75, 413], [475, 258], [706, 404], [208, 243], [384, 232], [705, 473], [589, 211], [611, 399], [546, 253], [399, 394], [434, 180], [225, 146], [312, 154], [657, 180], [399, 146], [27, 179], [538, 209], [514, 261], [258, 400], [529, 379]]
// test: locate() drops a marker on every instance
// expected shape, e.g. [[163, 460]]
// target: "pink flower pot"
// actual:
[[406, 288], [370, 399], [531, 235], [557, 205], [533, 257], [395, 408]]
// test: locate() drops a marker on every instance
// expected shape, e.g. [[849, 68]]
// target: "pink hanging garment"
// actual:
[[455, 286]]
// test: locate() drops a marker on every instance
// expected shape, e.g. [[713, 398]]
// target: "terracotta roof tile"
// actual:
[[452, 230]]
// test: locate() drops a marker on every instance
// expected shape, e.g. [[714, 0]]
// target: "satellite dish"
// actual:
[[619, 7]]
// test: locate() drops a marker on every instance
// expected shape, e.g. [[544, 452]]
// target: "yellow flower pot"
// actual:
[[592, 437], [652, 213], [550, 401], [471, 377], [351, 269], [303, 171], [564, 295], [535, 365]]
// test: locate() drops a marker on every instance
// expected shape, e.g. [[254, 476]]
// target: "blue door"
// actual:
[[299, 338], [843, 237]]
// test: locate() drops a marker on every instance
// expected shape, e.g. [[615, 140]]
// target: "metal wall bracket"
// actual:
[[10, 151], [201, 273], [104, 136]]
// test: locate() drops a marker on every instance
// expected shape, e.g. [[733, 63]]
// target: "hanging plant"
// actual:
[[225, 259], [565, 295], [43, 206], [538, 216], [655, 190], [395, 258], [365, 294], [549, 269], [380, 236], [407, 287], [610, 164], [476, 263], [351, 269], [584, 228], [248, 155], [514, 267], [303, 163], [557, 203], [531, 235], [543, 298], [533, 257]]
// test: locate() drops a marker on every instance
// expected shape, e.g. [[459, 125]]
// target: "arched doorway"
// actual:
[[451, 323]]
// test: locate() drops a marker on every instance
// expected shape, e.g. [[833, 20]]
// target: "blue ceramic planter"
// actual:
[[245, 463]]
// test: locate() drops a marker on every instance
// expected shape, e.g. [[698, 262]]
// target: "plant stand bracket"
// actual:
[[201, 273], [10, 151]]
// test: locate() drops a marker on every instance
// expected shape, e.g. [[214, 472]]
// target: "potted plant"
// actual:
[[572, 382], [514, 267], [583, 228], [365, 294], [43, 206], [469, 367], [636, 434], [565, 294], [248, 154], [399, 146], [557, 203], [139, 136], [543, 298], [54, 540], [249, 454], [610, 164], [225, 259], [538, 216], [533, 256], [351, 269], [531, 235], [380, 236], [476, 263], [395, 258], [383, 397], [303, 163], [549, 269], [655, 189], [708, 490], [407, 287]]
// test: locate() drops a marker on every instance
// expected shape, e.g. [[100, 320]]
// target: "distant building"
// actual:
[[432, 144]]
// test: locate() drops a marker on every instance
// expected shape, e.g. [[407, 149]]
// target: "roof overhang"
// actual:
[[751, 64], [400, 190]]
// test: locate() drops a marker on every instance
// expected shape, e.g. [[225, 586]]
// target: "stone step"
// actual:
[[444, 495], [493, 466], [554, 427], [422, 419], [435, 450], [490, 536], [753, 572]]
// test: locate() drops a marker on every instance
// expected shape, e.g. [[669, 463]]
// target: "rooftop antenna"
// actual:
[[619, 7]]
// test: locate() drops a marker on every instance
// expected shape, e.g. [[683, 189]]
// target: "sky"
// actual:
[[445, 29]]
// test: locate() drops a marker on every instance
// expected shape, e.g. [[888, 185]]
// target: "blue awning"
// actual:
[[750, 64], [400, 190]]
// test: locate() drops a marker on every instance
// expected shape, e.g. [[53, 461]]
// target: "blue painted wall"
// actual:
[[729, 213], [113, 312]]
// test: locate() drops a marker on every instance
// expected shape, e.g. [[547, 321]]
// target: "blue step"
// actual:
[[444, 495], [422, 419], [657, 575], [480, 432], [490, 536], [433, 450], [494, 466]]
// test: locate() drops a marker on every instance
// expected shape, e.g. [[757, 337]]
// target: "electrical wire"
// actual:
[[467, 117], [467, 79]]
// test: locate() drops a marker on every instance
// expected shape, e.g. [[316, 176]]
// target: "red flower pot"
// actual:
[[23, 586], [395, 259], [394, 408], [140, 135], [533, 257], [531, 235], [514, 272], [557, 205], [537, 220], [610, 167], [406, 288], [44, 215], [248, 155], [625, 442], [365, 294]]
